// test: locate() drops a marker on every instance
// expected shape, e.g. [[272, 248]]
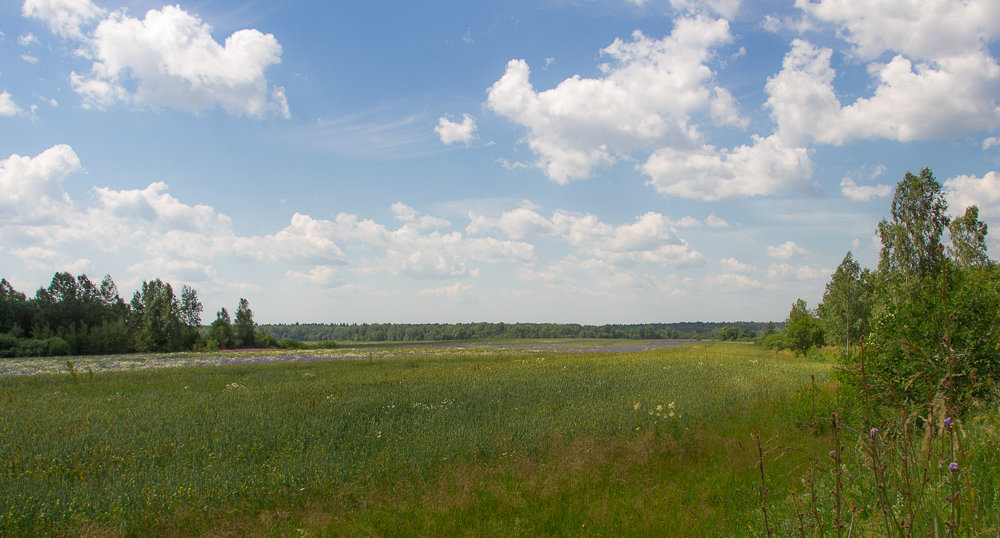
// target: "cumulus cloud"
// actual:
[[64, 17], [451, 132], [786, 250], [784, 271], [916, 28], [733, 281], [650, 239], [940, 82], [714, 221], [166, 59], [990, 142], [966, 190], [27, 40], [767, 166], [453, 292], [7, 105], [732, 265], [863, 193], [31, 187], [48, 260], [646, 99], [320, 275]]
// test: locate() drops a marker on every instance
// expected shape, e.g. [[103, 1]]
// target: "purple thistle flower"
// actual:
[[953, 467], [833, 454], [874, 433], [947, 422]]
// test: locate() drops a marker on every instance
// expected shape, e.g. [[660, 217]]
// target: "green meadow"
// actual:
[[550, 442], [554, 439]]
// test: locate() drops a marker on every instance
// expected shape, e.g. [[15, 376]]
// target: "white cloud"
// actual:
[[917, 28], [863, 193], [965, 190], [320, 275], [768, 166], [31, 187], [170, 58], [7, 105], [407, 214], [714, 221], [646, 100], [733, 281], [732, 265], [27, 40], [48, 260], [304, 238], [451, 132], [784, 271], [517, 223], [938, 95], [725, 8], [770, 23], [991, 141], [786, 250], [64, 17], [453, 292], [173, 270]]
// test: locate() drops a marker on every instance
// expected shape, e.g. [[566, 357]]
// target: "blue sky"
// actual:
[[565, 161]]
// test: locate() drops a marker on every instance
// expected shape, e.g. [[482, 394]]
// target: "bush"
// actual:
[[291, 344], [774, 341], [56, 346], [265, 340]]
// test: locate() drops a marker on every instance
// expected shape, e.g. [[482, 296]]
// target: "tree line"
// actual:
[[73, 315], [923, 324], [419, 332]]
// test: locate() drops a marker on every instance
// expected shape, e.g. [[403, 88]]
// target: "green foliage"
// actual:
[[847, 302], [221, 331], [733, 333], [911, 242], [803, 330], [935, 334], [968, 240], [243, 326], [262, 340], [774, 342], [422, 332]]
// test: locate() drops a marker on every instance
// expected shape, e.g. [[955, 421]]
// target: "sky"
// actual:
[[588, 161]]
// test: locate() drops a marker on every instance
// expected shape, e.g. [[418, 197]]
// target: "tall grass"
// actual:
[[369, 444]]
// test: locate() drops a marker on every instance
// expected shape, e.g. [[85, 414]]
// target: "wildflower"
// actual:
[[953, 467], [636, 406], [833, 454], [874, 433], [659, 409], [947, 422]]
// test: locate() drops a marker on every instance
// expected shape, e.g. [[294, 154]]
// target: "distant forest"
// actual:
[[407, 332]]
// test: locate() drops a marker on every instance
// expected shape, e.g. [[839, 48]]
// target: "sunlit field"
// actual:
[[551, 437]]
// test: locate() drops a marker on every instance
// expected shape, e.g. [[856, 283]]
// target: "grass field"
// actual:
[[483, 439]]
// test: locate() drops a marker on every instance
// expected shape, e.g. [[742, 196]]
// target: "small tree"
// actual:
[[244, 327], [802, 330], [221, 331]]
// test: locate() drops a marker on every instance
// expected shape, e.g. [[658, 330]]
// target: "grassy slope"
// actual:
[[543, 444]]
